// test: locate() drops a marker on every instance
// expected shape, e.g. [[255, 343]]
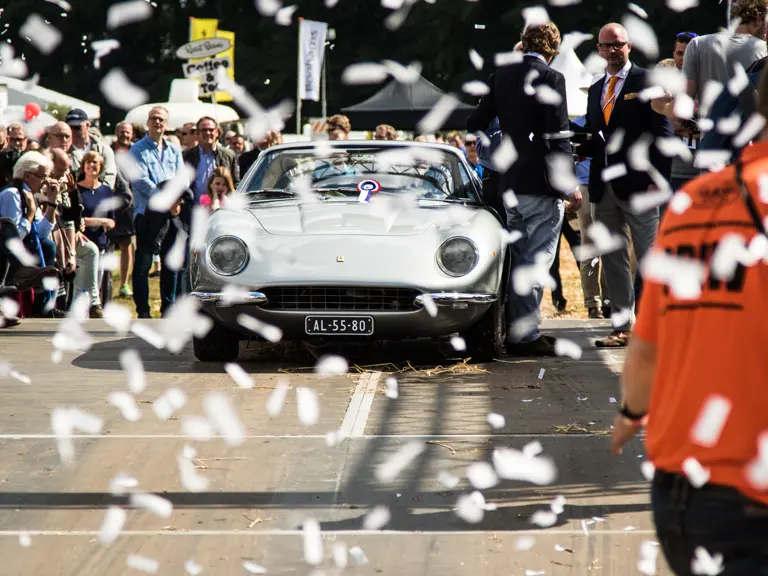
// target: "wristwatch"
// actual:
[[629, 415]]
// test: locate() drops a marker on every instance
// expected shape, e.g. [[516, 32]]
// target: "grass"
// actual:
[[569, 273]]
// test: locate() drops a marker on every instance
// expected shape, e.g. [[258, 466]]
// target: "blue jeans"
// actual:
[[152, 230], [539, 220], [717, 518]]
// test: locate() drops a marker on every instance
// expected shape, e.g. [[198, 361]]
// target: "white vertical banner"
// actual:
[[311, 50]]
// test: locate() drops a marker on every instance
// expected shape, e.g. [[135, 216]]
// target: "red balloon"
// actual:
[[32, 111]]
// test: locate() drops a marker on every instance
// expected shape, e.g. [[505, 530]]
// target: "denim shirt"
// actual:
[[10, 207], [156, 166], [203, 172], [484, 153]]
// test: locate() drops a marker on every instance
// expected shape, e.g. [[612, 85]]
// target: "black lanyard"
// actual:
[[750, 202]]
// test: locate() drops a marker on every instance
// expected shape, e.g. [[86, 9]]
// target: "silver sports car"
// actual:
[[363, 240]]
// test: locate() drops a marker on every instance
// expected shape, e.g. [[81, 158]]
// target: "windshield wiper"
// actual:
[[273, 191]]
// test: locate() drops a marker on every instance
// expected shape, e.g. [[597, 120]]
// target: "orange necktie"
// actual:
[[610, 98]]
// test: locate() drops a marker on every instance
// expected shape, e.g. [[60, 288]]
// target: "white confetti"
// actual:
[[510, 237], [147, 334], [198, 228], [190, 479], [471, 507], [267, 331], [712, 89], [268, 7], [25, 540], [558, 504], [511, 464], [308, 408], [173, 190], [642, 36], [152, 502], [122, 482], [253, 568], [436, 117], [331, 365], [364, 73], [169, 402], [175, 257], [524, 543], [711, 420], [547, 95], [429, 305], [569, 348], [276, 399], [475, 88], [621, 317], [533, 448], [458, 343], [561, 173], [697, 475], [222, 416], [649, 551], [399, 461], [535, 16], [674, 146], [142, 563], [192, 568], [42, 35], [197, 428], [544, 518], [684, 276], [392, 390], [595, 64], [682, 5], [638, 10], [729, 125], [112, 525], [358, 555], [123, 13], [613, 172], [130, 362], [120, 92], [284, 16], [481, 475], [712, 160], [339, 553], [476, 59], [403, 74], [100, 49], [377, 518], [239, 375], [684, 106], [739, 81], [510, 199], [528, 82], [125, 402], [749, 130], [501, 59], [313, 543], [9, 308], [17, 248], [541, 373], [447, 479], [705, 564], [63, 4], [497, 421]]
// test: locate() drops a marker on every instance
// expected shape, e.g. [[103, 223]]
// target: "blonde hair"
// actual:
[[93, 156]]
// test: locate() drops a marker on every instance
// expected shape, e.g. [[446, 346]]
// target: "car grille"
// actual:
[[340, 298]]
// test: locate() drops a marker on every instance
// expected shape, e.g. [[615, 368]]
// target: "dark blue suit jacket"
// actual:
[[637, 119]]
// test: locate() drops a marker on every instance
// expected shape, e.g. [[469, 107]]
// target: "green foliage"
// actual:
[[58, 111], [438, 35]]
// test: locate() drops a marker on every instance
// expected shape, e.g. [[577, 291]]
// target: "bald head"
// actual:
[[613, 44], [60, 162]]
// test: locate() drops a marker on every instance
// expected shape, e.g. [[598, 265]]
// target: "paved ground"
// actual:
[[261, 492]]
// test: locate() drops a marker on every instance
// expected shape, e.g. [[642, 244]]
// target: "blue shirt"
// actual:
[[205, 168], [582, 168], [10, 207], [484, 153], [156, 166], [90, 199]]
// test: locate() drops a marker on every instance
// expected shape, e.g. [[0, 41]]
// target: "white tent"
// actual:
[[577, 77], [22, 92], [184, 106]]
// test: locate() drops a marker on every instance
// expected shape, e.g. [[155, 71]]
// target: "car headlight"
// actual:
[[228, 255], [457, 256]]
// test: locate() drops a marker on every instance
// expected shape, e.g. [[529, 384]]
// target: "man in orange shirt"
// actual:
[[699, 368]]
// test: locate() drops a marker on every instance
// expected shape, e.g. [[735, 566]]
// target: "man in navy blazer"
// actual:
[[529, 100], [623, 131]]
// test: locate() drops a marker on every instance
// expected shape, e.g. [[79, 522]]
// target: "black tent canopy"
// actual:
[[402, 106]]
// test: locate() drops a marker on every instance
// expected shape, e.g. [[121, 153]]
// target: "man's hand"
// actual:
[[623, 431], [573, 204], [664, 105], [71, 184], [52, 190], [108, 223], [176, 208], [81, 227]]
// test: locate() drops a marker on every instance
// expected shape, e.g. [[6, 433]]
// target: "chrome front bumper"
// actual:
[[221, 299], [456, 299]]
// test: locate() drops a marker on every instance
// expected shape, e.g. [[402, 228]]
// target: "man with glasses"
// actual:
[[17, 136], [188, 136], [159, 161], [209, 155], [614, 107], [681, 43], [123, 137], [86, 140], [60, 136]]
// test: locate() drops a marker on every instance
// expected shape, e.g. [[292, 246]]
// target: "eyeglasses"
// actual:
[[157, 119], [689, 35], [206, 130], [62, 136], [470, 142], [607, 46]]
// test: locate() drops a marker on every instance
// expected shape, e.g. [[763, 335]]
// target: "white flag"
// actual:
[[311, 51]]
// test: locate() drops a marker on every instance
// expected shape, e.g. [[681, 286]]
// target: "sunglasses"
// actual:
[[470, 142], [606, 46], [689, 35]]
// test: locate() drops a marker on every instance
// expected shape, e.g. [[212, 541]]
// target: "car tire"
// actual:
[[219, 345], [485, 339]]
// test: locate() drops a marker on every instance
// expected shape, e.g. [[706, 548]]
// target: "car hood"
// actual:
[[340, 218]]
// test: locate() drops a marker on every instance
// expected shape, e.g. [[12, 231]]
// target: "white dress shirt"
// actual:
[[622, 75]]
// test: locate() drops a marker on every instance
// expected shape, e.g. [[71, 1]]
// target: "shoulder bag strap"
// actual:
[[748, 200]]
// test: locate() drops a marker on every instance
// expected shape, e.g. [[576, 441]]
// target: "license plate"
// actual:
[[341, 325]]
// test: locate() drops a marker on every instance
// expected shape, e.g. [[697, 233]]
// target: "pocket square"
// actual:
[[631, 96]]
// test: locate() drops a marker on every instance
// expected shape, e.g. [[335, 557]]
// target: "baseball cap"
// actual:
[[75, 117]]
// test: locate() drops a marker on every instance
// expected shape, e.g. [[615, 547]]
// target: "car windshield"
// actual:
[[417, 171]]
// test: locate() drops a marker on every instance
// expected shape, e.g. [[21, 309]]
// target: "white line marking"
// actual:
[[295, 436], [356, 416], [326, 533]]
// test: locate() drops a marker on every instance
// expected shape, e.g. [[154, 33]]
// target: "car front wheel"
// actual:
[[485, 340], [219, 345]]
